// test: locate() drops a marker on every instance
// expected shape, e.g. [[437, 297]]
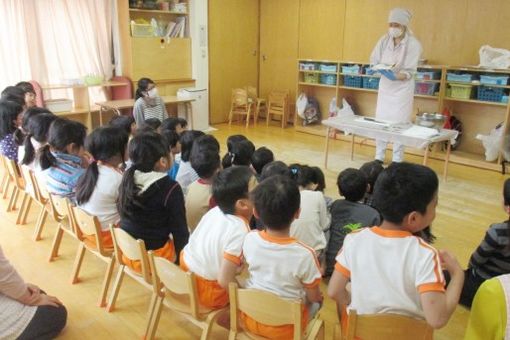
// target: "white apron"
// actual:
[[395, 98]]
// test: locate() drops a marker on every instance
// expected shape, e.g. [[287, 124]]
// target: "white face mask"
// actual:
[[153, 93], [395, 32]]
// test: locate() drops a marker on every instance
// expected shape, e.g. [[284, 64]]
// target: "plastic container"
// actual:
[[353, 81], [461, 91], [327, 67], [371, 83], [141, 30], [427, 89], [59, 105], [328, 79], [504, 99], [490, 94], [93, 79], [308, 66], [460, 78], [493, 80], [428, 75], [351, 69], [311, 77]]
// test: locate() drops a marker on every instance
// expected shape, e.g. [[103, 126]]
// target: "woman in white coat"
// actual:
[[401, 49]]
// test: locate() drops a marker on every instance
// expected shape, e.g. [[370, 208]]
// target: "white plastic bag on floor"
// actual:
[[301, 103], [492, 142], [346, 109], [494, 57]]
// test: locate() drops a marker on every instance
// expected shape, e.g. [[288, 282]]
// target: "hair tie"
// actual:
[[294, 171], [232, 157]]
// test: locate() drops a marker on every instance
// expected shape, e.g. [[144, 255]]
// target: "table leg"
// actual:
[[326, 150], [352, 147], [426, 155], [189, 114], [447, 159], [100, 116]]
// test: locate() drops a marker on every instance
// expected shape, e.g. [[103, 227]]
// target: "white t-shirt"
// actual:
[[185, 176], [313, 220], [283, 266], [218, 236], [389, 269], [103, 201]]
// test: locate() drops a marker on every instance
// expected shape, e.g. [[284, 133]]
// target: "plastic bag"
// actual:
[[346, 109], [312, 112], [491, 57], [301, 103], [333, 109], [492, 142]]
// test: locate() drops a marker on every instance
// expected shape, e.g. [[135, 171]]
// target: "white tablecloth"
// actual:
[[352, 125]]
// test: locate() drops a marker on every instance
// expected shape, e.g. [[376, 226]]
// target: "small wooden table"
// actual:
[[117, 105], [352, 125]]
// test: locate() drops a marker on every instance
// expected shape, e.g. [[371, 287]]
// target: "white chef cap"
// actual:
[[400, 16]]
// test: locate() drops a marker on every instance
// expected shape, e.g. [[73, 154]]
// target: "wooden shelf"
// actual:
[[474, 101], [426, 96], [317, 85], [477, 69], [427, 81], [64, 86], [477, 84], [356, 89], [315, 71], [156, 11]]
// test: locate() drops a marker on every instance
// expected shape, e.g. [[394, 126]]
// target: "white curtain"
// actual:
[[51, 40]]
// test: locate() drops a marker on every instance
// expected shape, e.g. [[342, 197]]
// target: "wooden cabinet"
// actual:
[[477, 114]]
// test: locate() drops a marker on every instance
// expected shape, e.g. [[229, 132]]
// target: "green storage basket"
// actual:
[[460, 91], [311, 77]]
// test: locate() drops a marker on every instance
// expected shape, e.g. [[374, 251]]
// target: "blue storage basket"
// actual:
[[327, 67], [303, 66], [371, 83], [328, 79], [493, 80], [351, 69], [490, 94], [352, 81], [459, 78]]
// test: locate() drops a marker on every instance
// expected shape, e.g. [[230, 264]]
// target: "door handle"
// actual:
[[264, 58]]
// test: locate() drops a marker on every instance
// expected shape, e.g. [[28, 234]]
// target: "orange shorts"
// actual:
[[106, 237], [210, 293], [273, 332], [167, 252]]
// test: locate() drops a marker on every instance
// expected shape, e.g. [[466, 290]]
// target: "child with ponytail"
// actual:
[[61, 158], [36, 137], [21, 133], [151, 204], [97, 191]]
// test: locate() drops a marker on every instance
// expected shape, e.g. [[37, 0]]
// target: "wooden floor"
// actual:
[[468, 203]]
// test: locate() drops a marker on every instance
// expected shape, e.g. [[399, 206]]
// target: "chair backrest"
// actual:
[[39, 98], [59, 206], [278, 99], [252, 92], [125, 244], [29, 178], [174, 279], [14, 173], [387, 327], [122, 92], [239, 97], [264, 307], [88, 225]]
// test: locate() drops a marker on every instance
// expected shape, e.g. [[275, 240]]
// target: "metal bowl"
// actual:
[[430, 120]]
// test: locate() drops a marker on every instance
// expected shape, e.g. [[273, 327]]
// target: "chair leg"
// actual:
[[56, 242], [150, 315], [230, 114], [267, 118], [116, 288], [210, 321], [248, 116], [22, 207], [5, 178], [27, 210], [6, 188], [77, 263], [156, 315], [106, 281], [12, 199], [41, 220]]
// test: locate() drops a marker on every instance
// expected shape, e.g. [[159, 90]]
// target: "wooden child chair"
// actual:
[[239, 105], [18, 187], [4, 185], [257, 103], [89, 225], [387, 327], [177, 290], [134, 250], [269, 309], [35, 194], [278, 105], [60, 210]]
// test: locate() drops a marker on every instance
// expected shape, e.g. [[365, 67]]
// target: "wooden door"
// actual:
[[233, 52], [278, 46]]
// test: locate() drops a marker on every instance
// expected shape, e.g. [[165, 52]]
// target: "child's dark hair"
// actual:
[[276, 201], [19, 135], [9, 112], [205, 156], [103, 144], [14, 94], [143, 86], [169, 123], [275, 168], [144, 151], [123, 122], [62, 132], [506, 200], [182, 122], [231, 185], [302, 174], [240, 153], [26, 87], [152, 123], [427, 235], [171, 138], [186, 139], [231, 140], [372, 170], [37, 128], [319, 178], [403, 188], [261, 157], [352, 184]]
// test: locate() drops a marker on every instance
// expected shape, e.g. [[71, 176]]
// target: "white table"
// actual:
[[351, 125]]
